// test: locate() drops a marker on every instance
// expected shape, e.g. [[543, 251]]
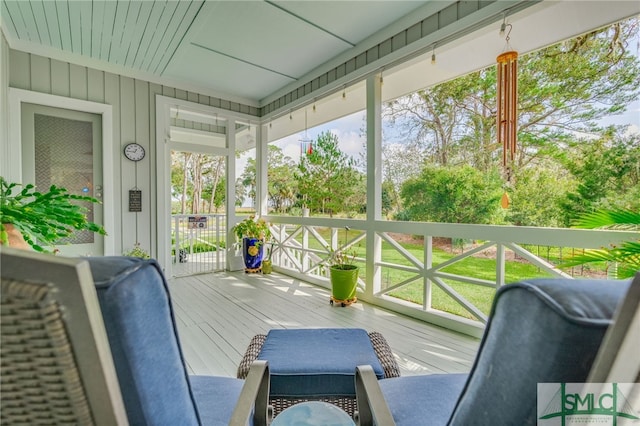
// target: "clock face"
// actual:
[[134, 152]]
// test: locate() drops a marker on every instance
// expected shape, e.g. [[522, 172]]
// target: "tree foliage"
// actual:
[[327, 177], [453, 194], [606, 173], [197, 181]]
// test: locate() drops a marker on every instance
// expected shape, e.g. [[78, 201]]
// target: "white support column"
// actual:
[[262, 153], [374, 183], [231, 189]]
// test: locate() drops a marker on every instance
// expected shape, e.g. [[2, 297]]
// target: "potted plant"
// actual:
[[626, 256], [267, 266], [42, 218], [137, 251], [343, 274], [252, 232]]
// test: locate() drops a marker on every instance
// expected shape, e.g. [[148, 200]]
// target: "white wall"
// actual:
[[133, 103]]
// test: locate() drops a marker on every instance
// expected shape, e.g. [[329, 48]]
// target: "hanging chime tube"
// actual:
[[507, 97]]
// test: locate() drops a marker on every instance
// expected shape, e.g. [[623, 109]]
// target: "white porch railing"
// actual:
[[198, 244], [423, 281]]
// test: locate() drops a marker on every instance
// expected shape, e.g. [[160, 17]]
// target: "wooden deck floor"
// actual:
[[218, 313]]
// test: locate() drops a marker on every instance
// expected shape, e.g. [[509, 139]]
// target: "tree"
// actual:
[[606, 171], [327, 177], [536, 194], [453, 194], [396, 168], [218, 174], [281, 183]]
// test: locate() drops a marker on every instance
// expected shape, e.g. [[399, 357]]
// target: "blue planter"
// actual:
[[252, 252]]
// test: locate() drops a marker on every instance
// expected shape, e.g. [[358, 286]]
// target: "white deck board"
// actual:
[[218, 313]]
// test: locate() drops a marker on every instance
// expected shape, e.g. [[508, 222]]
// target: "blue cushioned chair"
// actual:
[[539, 331], [156, 388]]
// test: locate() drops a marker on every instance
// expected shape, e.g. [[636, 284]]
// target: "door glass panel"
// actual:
[[64, 156]]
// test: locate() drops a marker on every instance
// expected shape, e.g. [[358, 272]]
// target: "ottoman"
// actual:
[[318, 364]]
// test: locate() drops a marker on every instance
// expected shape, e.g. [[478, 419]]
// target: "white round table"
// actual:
[[313, 413]]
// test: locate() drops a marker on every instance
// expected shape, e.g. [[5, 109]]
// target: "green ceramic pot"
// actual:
[[267, 267], [343, 281]]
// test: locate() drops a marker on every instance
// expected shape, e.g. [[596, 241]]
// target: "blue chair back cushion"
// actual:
[[138, 317], [540, 331]]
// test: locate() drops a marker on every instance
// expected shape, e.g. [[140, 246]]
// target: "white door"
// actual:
[[64, 147]]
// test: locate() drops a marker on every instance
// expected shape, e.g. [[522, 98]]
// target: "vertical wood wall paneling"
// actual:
[[112, 97], [128, 173], [78, 79], [169, 91], [60, 80], [181, 94], [145, 183], [95, 85], [40, 74], [19, 70]]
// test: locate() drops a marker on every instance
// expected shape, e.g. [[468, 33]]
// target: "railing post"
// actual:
[[218, 217], [177, 231], [335, 243], [305, 244], [500, 265], [428, 259]]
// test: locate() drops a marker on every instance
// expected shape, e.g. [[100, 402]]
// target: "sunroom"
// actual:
[[229, 80]]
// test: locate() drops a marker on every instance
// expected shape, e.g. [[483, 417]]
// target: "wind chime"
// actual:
[[507, 111], [306, 144]]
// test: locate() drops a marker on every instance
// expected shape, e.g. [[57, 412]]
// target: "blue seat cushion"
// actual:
[[138, 317], [215, 397], [422, 400], [317, 362]]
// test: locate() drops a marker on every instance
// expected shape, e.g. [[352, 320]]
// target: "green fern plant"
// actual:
[[626, 255], [42, 218]]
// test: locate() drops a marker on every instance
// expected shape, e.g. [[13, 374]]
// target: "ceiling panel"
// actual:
[[106, 30], [161, 33], [220, 73], [351, 20], [265, 36], [217, 44], [179, 24], [40, 20]]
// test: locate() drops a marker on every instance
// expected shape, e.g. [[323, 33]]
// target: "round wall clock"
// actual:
[[134, 152]]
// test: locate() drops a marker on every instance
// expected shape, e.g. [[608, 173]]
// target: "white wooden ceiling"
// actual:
[[240, 49]]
